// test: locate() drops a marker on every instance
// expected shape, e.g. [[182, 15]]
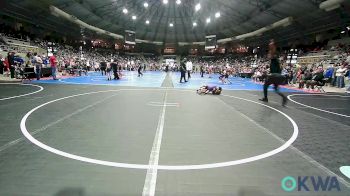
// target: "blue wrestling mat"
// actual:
[[155, 79], [237, 83], [129, 78]]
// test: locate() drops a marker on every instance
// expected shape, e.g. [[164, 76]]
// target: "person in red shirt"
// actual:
[[6, 67], [53, 63]]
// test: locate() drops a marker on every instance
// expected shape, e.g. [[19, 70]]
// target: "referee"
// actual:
[[275, 76]]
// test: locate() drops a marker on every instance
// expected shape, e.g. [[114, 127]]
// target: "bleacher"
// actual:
[[8, 44], [15, 41]]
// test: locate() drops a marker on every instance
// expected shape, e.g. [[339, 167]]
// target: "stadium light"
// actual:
[[147, 21], [145, 5], [194, 24], [125, 11], [134, 17], [217, 14], [208, 20], [178, 2], [197, 7], [165, 1]]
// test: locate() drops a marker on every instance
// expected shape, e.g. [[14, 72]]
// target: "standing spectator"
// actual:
[[2, 66], [340, 76], [183, 71], [38, 62], [202, 70], [189, 68], [114, 66], [139, 70], [11, 61], [108, 71], [6, 66], [334, 80], [53, 63], [103, 67]]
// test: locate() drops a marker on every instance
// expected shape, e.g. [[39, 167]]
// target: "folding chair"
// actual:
[[320, 85]]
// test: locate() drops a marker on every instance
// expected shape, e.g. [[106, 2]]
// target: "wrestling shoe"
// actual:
[[264, 99]]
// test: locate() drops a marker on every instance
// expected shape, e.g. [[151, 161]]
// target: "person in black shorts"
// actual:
[[275, 76], [114, 66], [103, 67], [183, 70], [139, 70]]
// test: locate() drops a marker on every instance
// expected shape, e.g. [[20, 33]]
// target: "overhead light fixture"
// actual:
[[145, 5], [194, 24], [348, 28], [342, 32], [197, 7], [208, 20], [171, 24], [134, 17], [217, 14], [165, 1], [147, 21], [178, 2], [125, 11]]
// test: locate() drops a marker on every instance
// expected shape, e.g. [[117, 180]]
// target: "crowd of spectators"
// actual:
[[333, 71]]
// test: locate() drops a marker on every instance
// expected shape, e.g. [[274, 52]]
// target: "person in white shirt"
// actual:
[[38, 63], [340, 73], [189, 68]]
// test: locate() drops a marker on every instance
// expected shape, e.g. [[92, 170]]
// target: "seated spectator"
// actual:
[[305, 76], [317, 79]]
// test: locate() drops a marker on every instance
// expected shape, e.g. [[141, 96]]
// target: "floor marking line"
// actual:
[[163, 103], [303, 107], [12, 97], [160, 167], [345, 170], [14, 142], [151, 176], [321, 117], [302, 154], [326, 111], [158, 105]]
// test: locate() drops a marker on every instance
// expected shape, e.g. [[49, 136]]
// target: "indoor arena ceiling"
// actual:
[[173, 22]]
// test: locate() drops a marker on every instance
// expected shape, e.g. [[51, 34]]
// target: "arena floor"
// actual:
[[153, 136]]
